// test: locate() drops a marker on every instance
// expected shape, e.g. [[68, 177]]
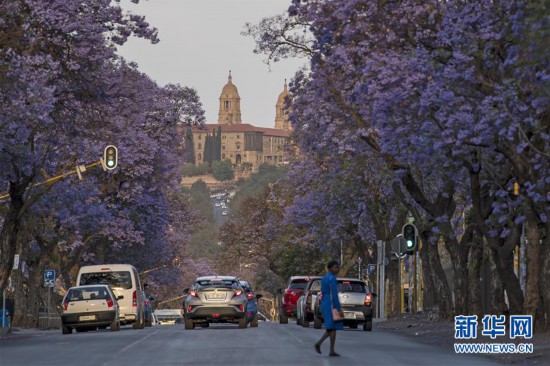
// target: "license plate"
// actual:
[[216, 296], [85, 318], [348, 315]]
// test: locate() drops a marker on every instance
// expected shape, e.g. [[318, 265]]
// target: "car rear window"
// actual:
[[350, 286], [88, 293], [216, 283], [122, 279], [298, 284]]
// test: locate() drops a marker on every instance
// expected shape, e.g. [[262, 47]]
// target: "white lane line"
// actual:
[[131, 345]]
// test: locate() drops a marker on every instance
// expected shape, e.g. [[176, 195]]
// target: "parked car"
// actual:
[[89, 307], [356, 301], [168, 316], [224, 213], [306, 303], [252, 305], [123, 279], [215, 299], [295, 288]]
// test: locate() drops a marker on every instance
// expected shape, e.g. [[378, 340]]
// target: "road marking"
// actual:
[[131, 345]]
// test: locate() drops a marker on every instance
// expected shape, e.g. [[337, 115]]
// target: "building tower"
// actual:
[[230, 104], [281, 114]]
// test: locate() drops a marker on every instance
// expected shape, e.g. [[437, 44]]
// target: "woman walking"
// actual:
[[330, 306]]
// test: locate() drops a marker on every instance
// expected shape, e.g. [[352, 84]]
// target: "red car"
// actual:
[[295, 288]]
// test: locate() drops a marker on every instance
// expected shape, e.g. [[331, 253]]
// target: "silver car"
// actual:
[[215, 299]]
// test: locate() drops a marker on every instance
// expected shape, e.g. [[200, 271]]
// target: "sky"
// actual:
[[200, 41]]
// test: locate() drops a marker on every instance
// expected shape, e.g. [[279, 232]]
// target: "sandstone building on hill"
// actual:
[[245, 145]]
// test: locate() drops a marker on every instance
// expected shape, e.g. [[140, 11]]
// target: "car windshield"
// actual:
[[246, 286], [88, 293], [216, 283], [348, 286], [121, 279], [298, 284], [315, 286]]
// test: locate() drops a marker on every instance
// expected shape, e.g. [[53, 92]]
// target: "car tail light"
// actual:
[[308, 299], [238, 293], [134, 299], [189, 308], [241, 308], [110, 302], [320, 296], [193, 293], [249, 296], [368, 299], [65, 304]]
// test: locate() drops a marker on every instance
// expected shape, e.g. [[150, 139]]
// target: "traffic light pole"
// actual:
[[79, 169]]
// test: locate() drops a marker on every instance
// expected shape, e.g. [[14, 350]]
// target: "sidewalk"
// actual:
[[17, 333], [423, 328]]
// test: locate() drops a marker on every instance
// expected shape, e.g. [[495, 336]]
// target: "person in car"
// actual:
[[329, 301]]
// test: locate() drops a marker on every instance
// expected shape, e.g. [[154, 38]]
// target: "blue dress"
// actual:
[[328, 283]]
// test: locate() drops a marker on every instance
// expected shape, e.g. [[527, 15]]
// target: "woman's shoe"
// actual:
[[317, 348], [334, 354]]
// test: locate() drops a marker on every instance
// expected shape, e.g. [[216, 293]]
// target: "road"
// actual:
[[269, 344]]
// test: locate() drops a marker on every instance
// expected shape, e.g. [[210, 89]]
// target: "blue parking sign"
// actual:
[[49, 276]]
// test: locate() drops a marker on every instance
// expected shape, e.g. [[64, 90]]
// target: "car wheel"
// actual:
[[189, 324], [254, 322], [283, 319], [367, 326], [115, 325], [66, 330], [353, 326], [317, 323], [305, 323], [243, 323], [298, 321]]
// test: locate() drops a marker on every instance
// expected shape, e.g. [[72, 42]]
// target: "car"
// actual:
[[168, 316], [356, 301], [217, 204], [289, 302], [252, 305], [305, 307], [89, 307], [215, 299], [224, 213], [123, 279]]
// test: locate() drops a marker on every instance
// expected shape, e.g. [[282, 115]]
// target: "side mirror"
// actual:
[[279, 291], [186, 291], [374, 294], [120, 297], [259, 296]]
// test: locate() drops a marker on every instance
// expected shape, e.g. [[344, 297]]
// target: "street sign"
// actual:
[[49, 277], [16, 261], [371, 267]]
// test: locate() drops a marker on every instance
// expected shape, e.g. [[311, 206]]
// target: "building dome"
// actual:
[[229, 89]]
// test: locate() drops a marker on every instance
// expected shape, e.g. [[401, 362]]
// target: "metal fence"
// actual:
[[49, 321]]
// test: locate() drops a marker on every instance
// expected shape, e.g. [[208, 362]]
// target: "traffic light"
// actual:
[[410, 236], [110, 156]]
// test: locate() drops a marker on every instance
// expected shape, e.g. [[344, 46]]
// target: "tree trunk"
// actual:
[[428, 289], [9, 233], [474, 273], [532, 304], [544, 323], [495, 289], [441, 286]]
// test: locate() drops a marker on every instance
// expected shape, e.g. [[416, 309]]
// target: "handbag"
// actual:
[[335, 313]]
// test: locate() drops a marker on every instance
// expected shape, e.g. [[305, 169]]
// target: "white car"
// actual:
[[168, 316], [89, 307], [224, 213], [123, 279]]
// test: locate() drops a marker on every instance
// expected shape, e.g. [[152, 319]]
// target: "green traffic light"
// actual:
[[409, 243], [110, 163]]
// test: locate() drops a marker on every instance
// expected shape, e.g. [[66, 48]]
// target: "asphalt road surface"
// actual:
[[269, 344]]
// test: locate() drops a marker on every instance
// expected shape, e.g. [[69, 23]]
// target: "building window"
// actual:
[[223, 156], [223, 147], [199, 157], [200, 146], [238, 146], [223, 137], [200, 136], [238, 136]]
